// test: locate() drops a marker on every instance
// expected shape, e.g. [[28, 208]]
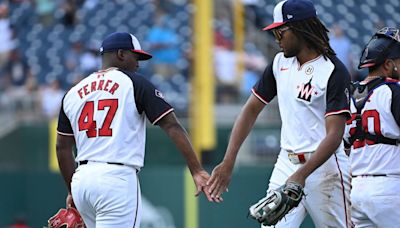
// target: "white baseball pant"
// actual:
[[107, 195], [375, 201], [326, 190]]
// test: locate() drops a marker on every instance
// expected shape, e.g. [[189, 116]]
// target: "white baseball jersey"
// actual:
[[380, 116], [306, 95], [105, 112]]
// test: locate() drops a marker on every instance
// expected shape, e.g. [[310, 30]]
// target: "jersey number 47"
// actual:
[[87, 123]]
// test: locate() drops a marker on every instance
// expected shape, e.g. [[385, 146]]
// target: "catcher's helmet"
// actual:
[[384, 44]]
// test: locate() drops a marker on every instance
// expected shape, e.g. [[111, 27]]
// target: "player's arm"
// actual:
[[335, 125], [221, 174], [337, 112], [170, 124], [64, 147], [66, 162], [65, 156], [263, 92]]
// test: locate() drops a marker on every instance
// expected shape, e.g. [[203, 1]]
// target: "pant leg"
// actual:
[[376, 202], [79, 185], [327, 192], [112, 195], [282, 170], [358, 193]]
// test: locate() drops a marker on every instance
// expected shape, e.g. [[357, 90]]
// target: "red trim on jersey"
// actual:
[[391, 80], [259, 96], [309, 61], [162, 115], [344, 195], [338, 112], [65, 134], [108, 69]]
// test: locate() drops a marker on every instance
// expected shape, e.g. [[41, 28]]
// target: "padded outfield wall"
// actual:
[[28, 187]]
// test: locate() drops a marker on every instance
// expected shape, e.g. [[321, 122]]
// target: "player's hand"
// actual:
[[200, 180], [219, 181], [297, 178], [69, 201]]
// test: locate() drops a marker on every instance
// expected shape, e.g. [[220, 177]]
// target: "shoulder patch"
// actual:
[[159, 94]]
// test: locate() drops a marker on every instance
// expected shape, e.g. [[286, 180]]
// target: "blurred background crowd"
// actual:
[[46, 46]]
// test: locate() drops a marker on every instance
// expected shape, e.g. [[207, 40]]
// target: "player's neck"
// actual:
[[370, 78], [306, 55]]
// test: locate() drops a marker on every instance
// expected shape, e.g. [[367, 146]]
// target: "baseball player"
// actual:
[[312, 87], [373, 134], [104, 115]]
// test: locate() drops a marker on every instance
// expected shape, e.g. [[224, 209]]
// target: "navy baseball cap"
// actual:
[[125, 41], [292, 10]]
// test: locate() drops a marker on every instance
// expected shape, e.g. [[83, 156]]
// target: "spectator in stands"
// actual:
[[18, 83], [227, 78], [341, 44], [45, 10], [16, 69], [51, 96], [69, 8], [90, 59], [164, 44], [72, 62], [7, 42], [254, 62], [254, 13]]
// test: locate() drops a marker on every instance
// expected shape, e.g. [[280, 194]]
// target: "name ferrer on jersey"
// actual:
[[103, 85]]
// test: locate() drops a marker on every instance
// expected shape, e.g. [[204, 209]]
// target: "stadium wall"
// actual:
[[30, 189]]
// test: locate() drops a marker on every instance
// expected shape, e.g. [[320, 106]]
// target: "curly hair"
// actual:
[[315, 34]]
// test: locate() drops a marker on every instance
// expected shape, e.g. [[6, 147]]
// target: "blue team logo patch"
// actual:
[[159, 94]]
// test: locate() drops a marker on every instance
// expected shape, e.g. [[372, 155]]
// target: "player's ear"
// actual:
[[120, 54], [387, 65]]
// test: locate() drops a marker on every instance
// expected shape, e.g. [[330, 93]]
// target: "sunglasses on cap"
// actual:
[[390, 32], [278, 32]]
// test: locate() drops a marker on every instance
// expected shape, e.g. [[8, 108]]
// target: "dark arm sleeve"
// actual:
[[149, 100], [395, 106], [265, 88], [64, 125], [338, 91]]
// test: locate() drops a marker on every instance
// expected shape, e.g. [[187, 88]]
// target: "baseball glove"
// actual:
[[66, 218], [272, 208]]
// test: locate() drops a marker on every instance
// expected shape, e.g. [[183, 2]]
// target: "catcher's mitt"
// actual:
[[272, 208], [66, 218]]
